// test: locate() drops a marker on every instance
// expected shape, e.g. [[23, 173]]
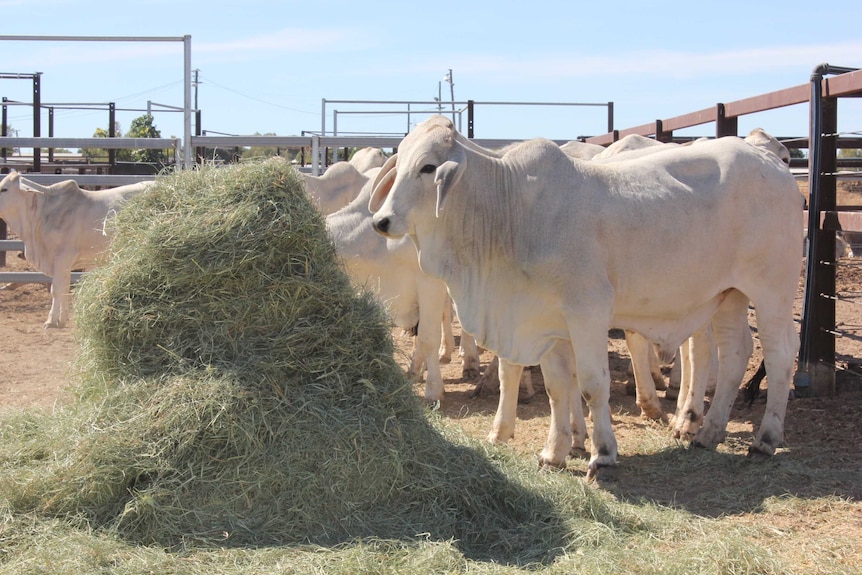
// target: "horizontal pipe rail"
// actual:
[[107, 143], [32, 277]]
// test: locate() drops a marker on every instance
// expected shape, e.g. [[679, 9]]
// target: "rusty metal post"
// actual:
[[724, 126], [660, 134]]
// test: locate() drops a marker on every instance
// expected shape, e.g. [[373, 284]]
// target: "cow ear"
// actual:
[[382, 184], [447, 176], [25, 187]]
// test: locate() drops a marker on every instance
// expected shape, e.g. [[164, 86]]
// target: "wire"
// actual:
[[237, 92]]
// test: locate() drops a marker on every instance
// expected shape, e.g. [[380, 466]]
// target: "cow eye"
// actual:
[[428, 169]]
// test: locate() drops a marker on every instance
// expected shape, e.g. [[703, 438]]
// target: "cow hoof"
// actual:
[[579, 453], [654, 415], [470, 373], [702, 444], [595, 468], [526, 397], [760, 449], [499, 438], [445, 358], [549, 464]]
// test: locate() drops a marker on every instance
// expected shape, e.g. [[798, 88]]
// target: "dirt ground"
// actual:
[[35, 361]]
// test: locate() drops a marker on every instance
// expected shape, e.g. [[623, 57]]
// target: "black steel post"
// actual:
[[815, 373], [4, 126], [37, 120], [112, 131]]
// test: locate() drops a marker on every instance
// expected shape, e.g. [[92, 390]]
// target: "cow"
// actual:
[[365, 159], [333, 190], [543, 254], [415, 301], [63, 228]]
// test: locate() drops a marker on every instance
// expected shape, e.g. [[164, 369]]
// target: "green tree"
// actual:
[[99, 154], [10, 131], [143, 127], [260, 152]]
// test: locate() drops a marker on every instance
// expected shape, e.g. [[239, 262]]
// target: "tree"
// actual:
[[260, 152], [10, 131], [143, 127], [98, 154]]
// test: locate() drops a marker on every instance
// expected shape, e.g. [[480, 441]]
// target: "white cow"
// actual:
[[581, 150], [366, 159], [390, 269], [543, 254], [62, 227], [760, 138], [338, 185]]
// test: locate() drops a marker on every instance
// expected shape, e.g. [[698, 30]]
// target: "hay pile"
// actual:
[[234, 390]]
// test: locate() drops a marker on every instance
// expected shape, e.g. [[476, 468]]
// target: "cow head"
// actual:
[[415, 182]]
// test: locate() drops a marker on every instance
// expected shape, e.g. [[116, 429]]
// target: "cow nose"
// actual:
[[382, 225]]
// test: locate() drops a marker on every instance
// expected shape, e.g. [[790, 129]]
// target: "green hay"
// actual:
[[234, 390]]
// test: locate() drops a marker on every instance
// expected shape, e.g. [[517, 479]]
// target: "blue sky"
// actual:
[[266, 66]]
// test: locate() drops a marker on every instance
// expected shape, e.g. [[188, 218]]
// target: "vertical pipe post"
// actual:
[[37, 119], [187, 101], [815, 373], [112, 131], [50, 131]]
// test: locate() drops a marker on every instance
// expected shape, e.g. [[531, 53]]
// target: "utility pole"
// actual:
[[451, 81], [195, 83]]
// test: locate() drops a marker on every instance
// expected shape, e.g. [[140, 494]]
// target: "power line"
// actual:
[[237, 92]]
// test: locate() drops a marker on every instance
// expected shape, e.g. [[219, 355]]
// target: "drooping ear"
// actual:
[[382, 184], [447, 176], [25, 186]]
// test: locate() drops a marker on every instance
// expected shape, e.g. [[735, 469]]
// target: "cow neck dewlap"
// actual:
[[473, 247]]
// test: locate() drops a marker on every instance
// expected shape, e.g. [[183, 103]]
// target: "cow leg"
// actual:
[[780, 345], [558, 371], [674, 379], [447, 344], [593, 373], [504, 420], [526, 391], [640, 350], [469, 356], [655, 370], [733, 336], [699, 351], [428, 339], [61, 296]]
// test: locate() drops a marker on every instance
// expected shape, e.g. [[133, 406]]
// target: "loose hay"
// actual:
[[234, 390]]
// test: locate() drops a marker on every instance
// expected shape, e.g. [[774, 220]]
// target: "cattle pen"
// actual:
[[817, 364]]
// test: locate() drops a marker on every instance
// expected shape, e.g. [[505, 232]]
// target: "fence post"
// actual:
[[815, 374], [660, 134], [724, 126]]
